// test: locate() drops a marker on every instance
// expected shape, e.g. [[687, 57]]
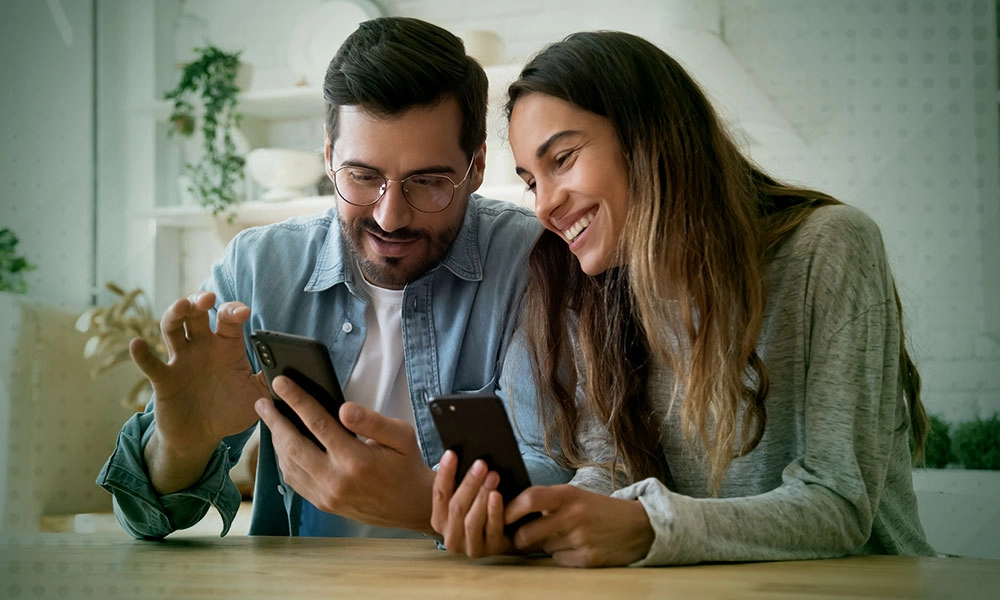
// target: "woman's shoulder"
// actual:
[[839, 221], [838, 232], [835, 256]]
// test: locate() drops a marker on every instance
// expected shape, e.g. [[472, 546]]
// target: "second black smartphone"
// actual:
[[476, 426], [306, 362]]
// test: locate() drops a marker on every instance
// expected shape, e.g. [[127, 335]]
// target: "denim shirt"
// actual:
[[297, 276]]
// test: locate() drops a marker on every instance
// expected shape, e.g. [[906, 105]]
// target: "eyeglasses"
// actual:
[[429, 193]]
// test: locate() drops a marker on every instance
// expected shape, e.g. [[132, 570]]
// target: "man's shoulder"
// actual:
[[499, 218], [294, 232]]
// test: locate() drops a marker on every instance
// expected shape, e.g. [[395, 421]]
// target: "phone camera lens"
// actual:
[[265, 355], [436, 409]]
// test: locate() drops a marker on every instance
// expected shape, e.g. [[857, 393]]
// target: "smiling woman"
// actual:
[[720, 353]]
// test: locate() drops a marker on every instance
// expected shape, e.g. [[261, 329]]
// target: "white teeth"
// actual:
[[578, 227]]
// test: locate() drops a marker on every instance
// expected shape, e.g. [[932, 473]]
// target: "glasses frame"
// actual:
[[402, 182]]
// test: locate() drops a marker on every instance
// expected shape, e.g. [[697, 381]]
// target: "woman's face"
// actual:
[[572, 162]]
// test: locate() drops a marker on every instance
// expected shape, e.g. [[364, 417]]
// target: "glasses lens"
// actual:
[[428, 193], [358, 185]]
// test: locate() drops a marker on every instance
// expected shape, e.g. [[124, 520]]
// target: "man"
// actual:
[[412, 283]]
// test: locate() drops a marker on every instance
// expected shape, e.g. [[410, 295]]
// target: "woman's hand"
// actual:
[[471, 517], [581, 528]]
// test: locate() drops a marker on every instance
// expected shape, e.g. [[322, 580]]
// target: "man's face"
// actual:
[[393, 242]]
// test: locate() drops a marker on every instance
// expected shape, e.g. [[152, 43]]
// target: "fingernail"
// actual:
[[448, 458], [478, 467], [350, 412], [259, 406]]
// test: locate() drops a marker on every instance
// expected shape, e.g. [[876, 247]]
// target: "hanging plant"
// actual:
[[208, 91]]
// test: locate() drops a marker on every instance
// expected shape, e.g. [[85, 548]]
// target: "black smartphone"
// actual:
[[476, 426], [306, 362]]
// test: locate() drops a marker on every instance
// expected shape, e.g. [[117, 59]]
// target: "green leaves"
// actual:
[[976, 444], [12, 266], [210, 82], [971, 444]]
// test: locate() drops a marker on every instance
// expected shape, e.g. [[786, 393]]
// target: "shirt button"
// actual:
[[281, 490], [347, 327]]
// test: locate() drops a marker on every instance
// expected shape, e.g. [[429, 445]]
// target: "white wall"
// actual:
[[46, 153], [893, 98], [896, 99]]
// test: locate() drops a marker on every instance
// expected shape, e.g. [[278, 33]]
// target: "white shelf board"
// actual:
[[247, 213], [307, 101], [290, 103]]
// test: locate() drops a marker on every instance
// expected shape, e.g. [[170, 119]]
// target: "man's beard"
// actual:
[[393, 272]]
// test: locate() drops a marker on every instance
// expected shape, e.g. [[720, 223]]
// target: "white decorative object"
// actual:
[[319, 34], [284, 173]]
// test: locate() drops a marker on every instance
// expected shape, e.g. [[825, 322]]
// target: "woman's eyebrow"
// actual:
[[544, 147]]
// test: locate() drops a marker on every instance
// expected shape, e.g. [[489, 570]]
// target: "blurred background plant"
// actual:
[[975, 444], [12, 266], [113, 328], [208, 91]]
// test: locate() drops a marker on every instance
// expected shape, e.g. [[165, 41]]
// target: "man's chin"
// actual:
[[388, 272]]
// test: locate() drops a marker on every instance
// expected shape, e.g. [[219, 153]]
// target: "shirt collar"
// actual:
[[333, 262]]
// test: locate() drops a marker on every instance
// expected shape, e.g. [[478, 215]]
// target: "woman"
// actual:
[[720, 356]]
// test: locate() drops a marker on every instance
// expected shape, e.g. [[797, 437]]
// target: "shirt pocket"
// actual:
[[491, 386]]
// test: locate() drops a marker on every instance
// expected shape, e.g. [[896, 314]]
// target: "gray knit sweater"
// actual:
[[831, 475]]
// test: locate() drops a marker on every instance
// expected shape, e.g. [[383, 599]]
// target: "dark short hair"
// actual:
[[391, 64]]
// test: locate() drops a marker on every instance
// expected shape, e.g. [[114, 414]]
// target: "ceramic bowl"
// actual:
[[284, 173]]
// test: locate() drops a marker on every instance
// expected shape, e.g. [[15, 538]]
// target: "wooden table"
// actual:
[[106, 566]]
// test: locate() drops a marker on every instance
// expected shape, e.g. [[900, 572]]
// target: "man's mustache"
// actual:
[[400, 235]]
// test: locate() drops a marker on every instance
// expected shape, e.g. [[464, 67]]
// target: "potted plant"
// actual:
[[976, 443], [959, 489], [112, 329], [208, 91], [12, 266]]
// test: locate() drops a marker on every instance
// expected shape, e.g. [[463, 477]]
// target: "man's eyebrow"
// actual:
[[555, 137], [428, 170]]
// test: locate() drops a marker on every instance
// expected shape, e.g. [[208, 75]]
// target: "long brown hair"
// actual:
[[702, 220]]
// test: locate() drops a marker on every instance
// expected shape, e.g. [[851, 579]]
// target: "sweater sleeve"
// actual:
[[853, 421], [825, 504]]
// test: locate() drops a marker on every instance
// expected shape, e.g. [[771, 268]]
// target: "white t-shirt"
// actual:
[[378, 380]]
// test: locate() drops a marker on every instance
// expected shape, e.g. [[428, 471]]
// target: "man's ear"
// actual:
[[478, 169], [326, 155]]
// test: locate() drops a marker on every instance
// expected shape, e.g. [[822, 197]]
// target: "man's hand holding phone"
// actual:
[[379, 480]]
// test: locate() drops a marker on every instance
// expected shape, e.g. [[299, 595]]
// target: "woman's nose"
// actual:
[[547, 201]]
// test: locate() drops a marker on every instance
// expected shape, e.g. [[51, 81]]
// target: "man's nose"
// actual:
[[392, 211]]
